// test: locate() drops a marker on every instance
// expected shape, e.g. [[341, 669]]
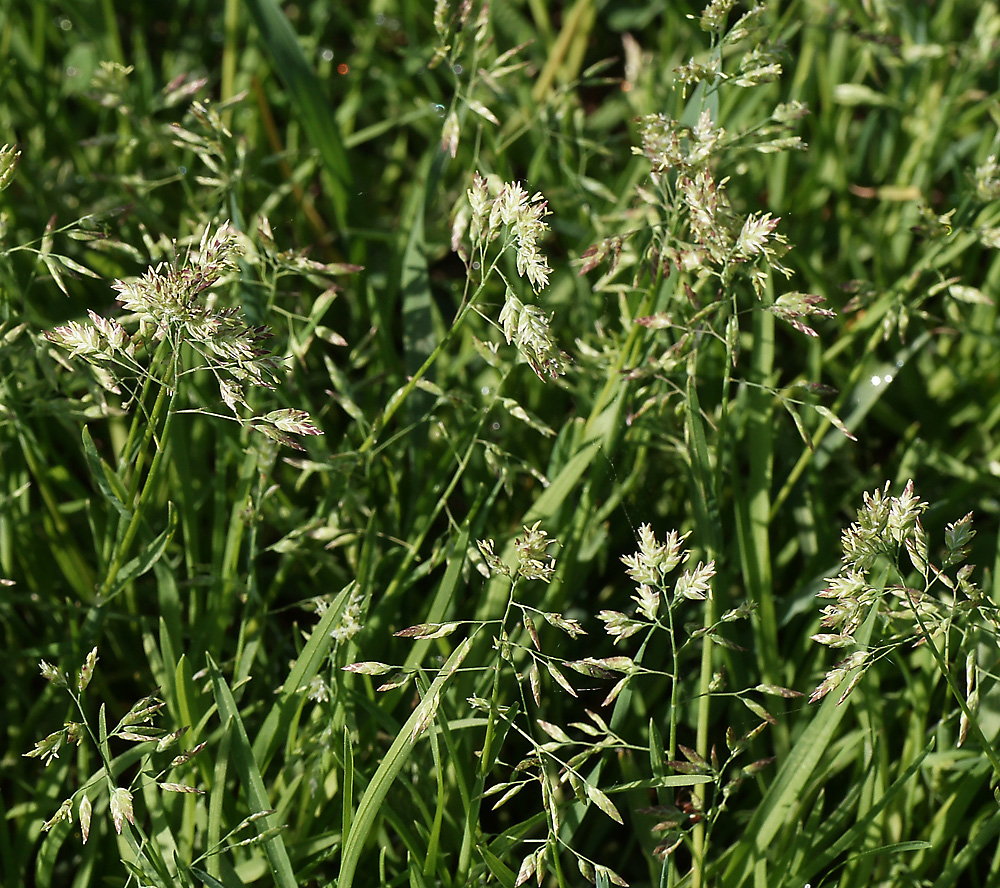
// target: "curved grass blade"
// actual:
[[307, 664], [784, 795], [152, 553], [249, 774], [367, 815], [817, 862]]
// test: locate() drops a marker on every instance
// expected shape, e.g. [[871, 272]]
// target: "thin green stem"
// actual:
[[141, 424], [988, 749], [400, 397], [671, 866], [162, 405], [470, 838], [674, 687]]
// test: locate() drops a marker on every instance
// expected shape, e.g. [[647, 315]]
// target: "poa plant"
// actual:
[[563, 768], [179, 331], [175, 314], [143, 371], [517, 660], [501, 224], [702, 275], [469, 385], [160, 765], [877, 612], [697, 244], [658, 619], [106, 786]]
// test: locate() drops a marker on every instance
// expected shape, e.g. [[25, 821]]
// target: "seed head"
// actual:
[[121, 807], [533, 561], [87, 671], [53, 674]]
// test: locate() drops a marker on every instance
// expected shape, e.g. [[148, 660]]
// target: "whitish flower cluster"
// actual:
[[318, 690], [649, 568], [506, 214], [757, 67], [533, 560], [988, 179], [702, 233], [527, 326], [888, 526], [794, 307], [350, 619], [668, 144], [520, 217], [171, 302], [720, 241], [713, 17]]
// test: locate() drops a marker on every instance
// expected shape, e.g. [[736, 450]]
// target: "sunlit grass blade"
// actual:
[[308, 663], [819, 860], [367, 814], [246, 767], [779, 808]]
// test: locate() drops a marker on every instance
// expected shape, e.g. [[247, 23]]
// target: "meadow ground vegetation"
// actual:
[[458, 443]]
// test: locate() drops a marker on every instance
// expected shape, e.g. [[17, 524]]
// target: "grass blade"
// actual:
[[307, 664], [784, 795], [246, 767], [367, 814], [308, 98]]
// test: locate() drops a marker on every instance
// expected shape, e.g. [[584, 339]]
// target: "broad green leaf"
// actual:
[[309, 100], [152, 553], [105, 478]]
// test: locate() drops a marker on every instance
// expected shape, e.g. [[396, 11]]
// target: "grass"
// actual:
[[497, 561]]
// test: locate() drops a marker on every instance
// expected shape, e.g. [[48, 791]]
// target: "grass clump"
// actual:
[[476, 503]]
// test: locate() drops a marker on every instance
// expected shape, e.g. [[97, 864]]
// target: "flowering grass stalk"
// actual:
[[177, 319], [886, 528], [707, 252], [509, 222], [135, 727]]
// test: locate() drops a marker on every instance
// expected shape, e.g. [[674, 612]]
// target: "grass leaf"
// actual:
[[249, 774]]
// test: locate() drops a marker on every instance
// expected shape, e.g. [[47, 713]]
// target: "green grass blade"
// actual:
[[367, 814], [105, 478], [822, 858], [501, 872], [414, 278], [957, 871], [308, 97], [754, 510], [249, 774], [136, 567], [307, 664], [785, 794], [347, 786], [217, 799]]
